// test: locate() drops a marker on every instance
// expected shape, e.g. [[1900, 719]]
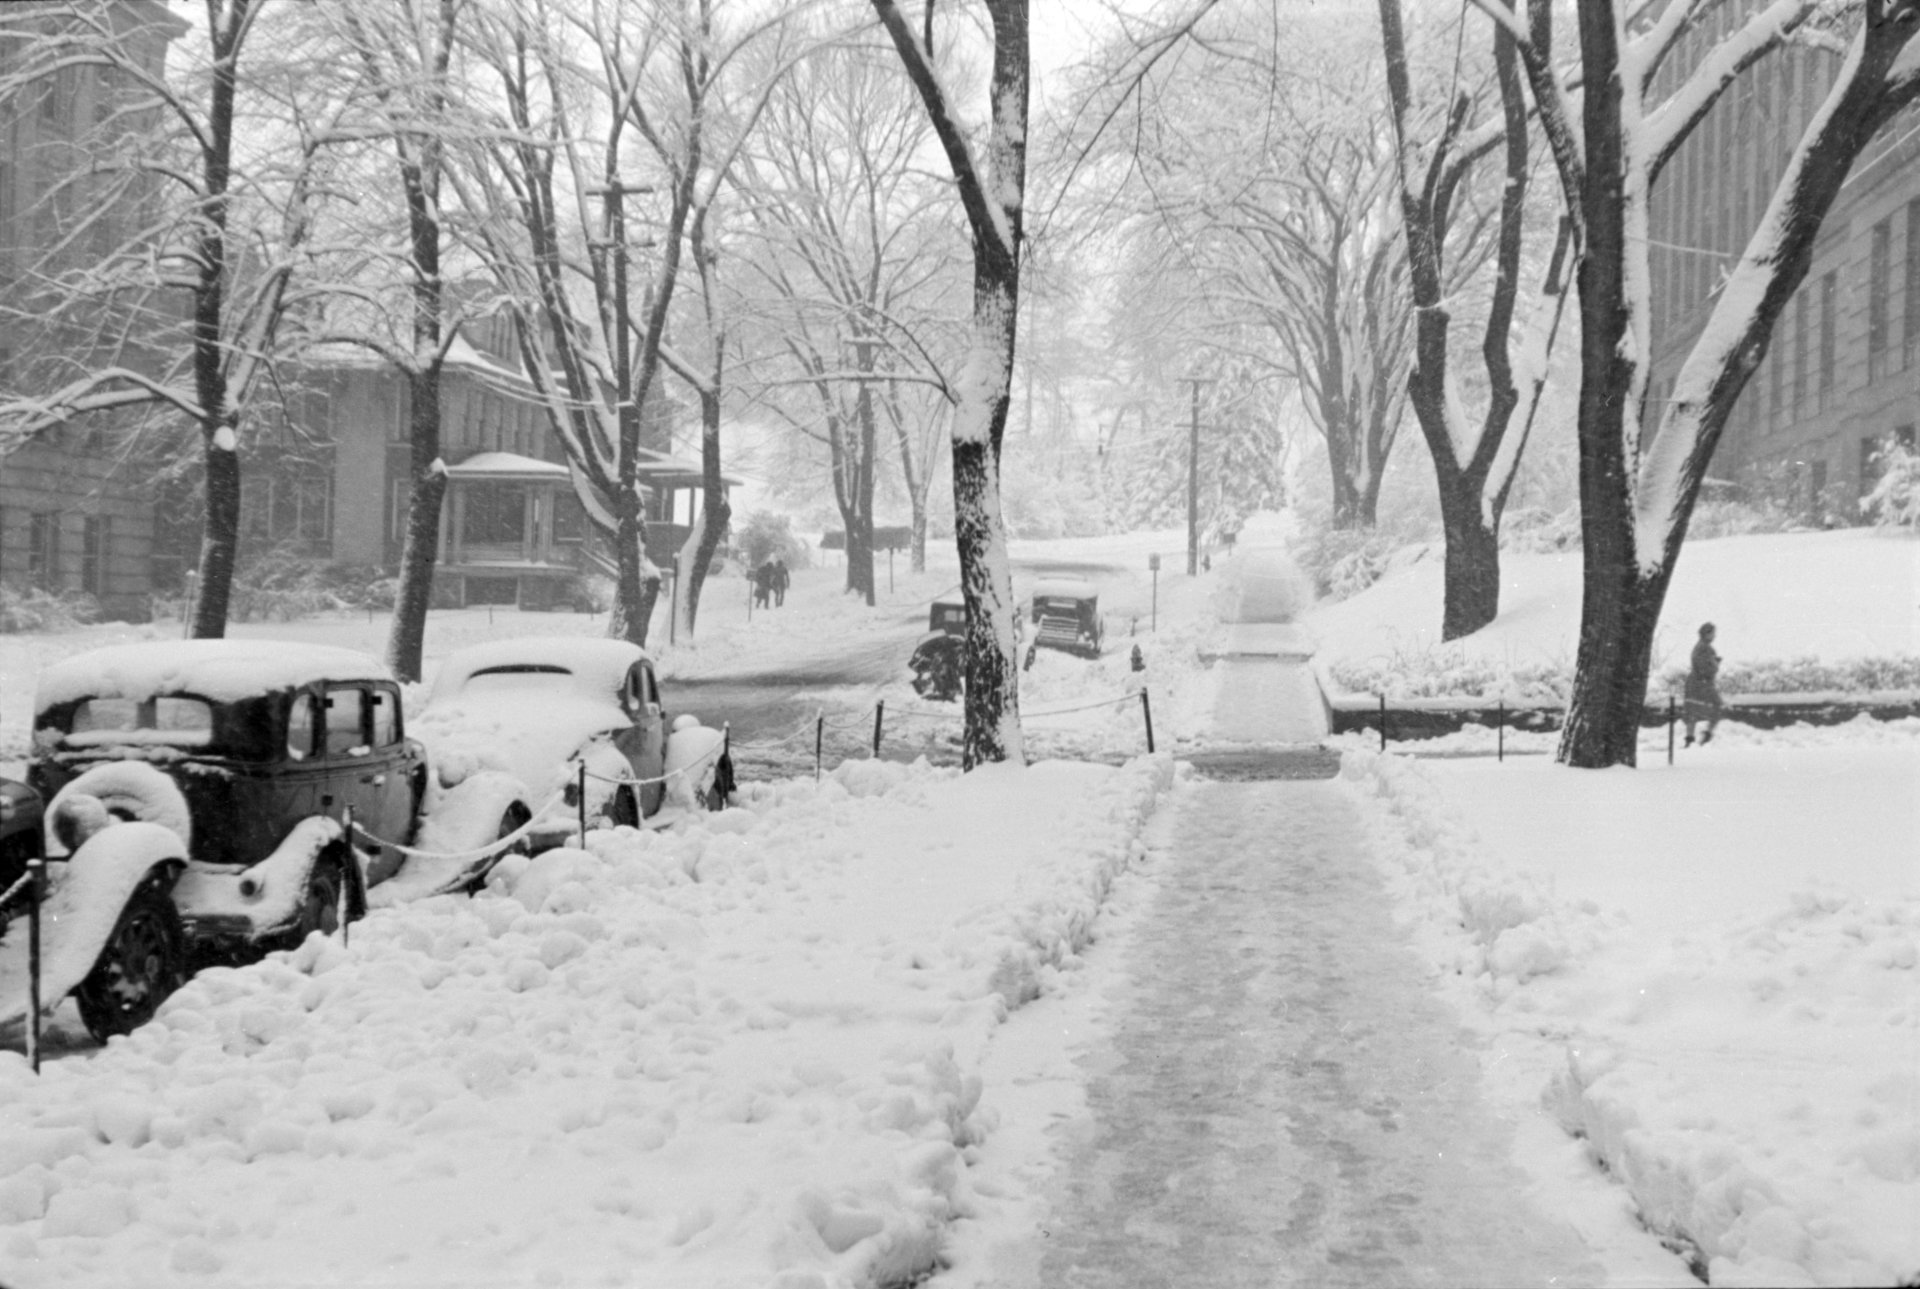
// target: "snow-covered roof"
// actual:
[[1067, 588], [507, 466], [221, 670], [597, 663]]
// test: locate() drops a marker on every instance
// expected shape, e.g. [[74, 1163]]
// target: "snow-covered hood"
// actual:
[[530, 736]]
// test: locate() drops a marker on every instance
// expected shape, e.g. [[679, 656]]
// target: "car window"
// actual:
[[641, 689], [346, 722], [302, 727], [385, 706], [167, 719]]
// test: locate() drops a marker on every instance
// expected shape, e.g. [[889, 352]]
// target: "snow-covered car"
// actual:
[[542, 708], [1066, 616], [202, 790]]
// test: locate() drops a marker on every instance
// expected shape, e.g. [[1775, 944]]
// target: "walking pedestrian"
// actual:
[[780, 581], [1703, 686], [762, 585]]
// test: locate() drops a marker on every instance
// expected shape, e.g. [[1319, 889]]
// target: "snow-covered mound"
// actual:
[[741, 1052]]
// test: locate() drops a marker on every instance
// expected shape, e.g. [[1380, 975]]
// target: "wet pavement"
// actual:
[[1282, 1099]]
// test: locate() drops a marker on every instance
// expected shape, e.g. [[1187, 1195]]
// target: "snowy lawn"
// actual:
[[742, 1052], [1705, 975]]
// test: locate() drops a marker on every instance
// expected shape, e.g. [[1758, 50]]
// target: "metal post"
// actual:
[[580, 797], [186, 614], [879, 714], [1383, 722], [819, 737], [37, 870], [1500, 736], [1669, 729], [673, 606], [1146, 710], [889, 568]]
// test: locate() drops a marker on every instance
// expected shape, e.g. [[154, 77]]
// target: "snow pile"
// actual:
[[1744, 1063], [742, 1052]]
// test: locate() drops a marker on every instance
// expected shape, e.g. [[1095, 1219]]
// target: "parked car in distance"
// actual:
[[936, 658], [542, 707], [237, 761], [1066, 616]]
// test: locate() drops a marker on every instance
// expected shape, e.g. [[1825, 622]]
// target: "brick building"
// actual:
[[74, 516], [1842, 374]]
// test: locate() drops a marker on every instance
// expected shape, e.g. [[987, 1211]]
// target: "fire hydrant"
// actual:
[[1139, 659]]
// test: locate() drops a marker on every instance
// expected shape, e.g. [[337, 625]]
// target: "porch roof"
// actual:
[[509, 467]]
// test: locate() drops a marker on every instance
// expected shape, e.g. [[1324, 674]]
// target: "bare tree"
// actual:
[[850, 268], [993, 196], [403, 51], [219, 229], [1613, 127], [1474, 465], [621, 116]]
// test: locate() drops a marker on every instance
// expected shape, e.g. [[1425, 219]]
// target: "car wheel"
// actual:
[[323, 907], [512, 820], [623, 808], [137, 969]]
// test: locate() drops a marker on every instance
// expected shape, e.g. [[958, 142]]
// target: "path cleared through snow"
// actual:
[[1283, 1099]]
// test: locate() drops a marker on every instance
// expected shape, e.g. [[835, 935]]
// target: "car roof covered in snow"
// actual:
[[1065, 588], [221, 670], [596, 662]]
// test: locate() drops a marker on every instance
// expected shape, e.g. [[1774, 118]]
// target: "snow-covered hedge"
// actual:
[[1442, 671]]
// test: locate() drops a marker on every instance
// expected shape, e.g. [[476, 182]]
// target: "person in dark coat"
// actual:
[[763, 585], [1703, 686], [780, 581]]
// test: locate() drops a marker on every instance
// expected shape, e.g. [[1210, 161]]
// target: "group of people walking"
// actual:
[[770, 582]]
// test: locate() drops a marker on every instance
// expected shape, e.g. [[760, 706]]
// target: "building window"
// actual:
[[95, 549], [43, 548], [569, 518], [1879, 288], [1912, 286], [1829, 283], [495, 514]]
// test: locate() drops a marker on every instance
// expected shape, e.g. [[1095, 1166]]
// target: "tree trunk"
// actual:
[[219, 539], [406, 640], [979, 532], [715, 513], [1472, 597], [637, 586]]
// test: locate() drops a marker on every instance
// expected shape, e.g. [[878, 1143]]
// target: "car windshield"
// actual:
[[169, 720], [1051, 604]]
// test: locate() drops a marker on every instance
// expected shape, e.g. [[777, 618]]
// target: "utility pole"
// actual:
[[1193, 481]]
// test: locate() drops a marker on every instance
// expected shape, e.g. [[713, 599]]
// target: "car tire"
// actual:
[[623, 807], [324, 904], [139, 966]]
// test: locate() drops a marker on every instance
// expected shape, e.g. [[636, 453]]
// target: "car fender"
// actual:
[[266, 894], [692, 758], [84, 898], [127, 787]]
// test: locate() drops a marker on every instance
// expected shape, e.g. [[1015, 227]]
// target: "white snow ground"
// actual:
[[770, 1049]]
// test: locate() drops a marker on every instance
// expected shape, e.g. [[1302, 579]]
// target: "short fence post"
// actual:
[[1500, 732], [879, 710], [1383, 722], [819, 737], [37, 873], [580, 797], [1669, 729], [1146, 710]]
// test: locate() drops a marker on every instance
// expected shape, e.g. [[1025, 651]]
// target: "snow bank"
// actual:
[[1752, 1081], [743, 1052]]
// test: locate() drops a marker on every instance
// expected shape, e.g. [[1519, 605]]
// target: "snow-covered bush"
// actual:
[[765, 535], [1895, 499], [1345, 561], [34, 609], [1445, 671], [1808, 675], [1535, 530]]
